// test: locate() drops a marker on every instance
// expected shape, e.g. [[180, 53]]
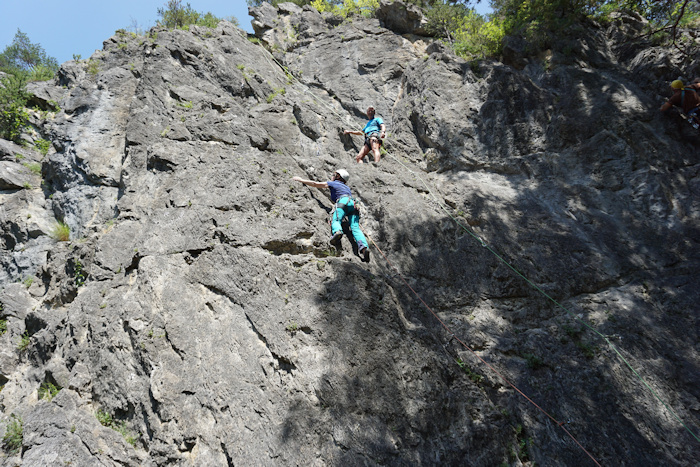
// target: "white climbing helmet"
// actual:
[[343, 174]]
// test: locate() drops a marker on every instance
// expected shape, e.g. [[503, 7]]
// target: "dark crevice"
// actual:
[[279, 247], [229, 459], [134, 264], [283, 362]]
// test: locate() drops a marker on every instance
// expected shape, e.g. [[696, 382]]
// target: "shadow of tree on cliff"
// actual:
[[406, 392]]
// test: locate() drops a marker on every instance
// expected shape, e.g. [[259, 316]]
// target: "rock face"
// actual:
[[200, 313]]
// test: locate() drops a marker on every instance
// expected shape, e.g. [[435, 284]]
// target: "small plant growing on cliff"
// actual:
[[48, 390], [93, 67], [3, 324], [275, 93], [79, 275], [23, 342], [533, 361], [33, 167], [12, 441], [106, 419], [42, 146], [60, 232], [475, 377]]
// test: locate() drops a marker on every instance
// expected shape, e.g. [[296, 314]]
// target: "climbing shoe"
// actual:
[[365, 254], [335, 239]]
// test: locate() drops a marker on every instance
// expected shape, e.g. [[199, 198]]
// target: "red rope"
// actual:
[[560, 424]]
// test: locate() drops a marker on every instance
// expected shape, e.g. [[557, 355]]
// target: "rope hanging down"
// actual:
[[442, 323], [571, 314], [481, 241]]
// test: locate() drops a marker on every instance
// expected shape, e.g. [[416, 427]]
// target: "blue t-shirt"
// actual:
[[338, 190], [373, 126]]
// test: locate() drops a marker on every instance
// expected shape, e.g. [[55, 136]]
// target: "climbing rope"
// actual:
[[454, 336], [500, 258], [571, 314]]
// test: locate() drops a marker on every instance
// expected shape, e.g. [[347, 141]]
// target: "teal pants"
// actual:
[[345, 206]]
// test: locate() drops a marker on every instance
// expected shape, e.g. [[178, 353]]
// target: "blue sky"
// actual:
[[67, 27], [78, 27]]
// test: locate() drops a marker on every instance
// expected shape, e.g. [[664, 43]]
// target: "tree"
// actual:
[[24, 56], [277, 2], [13, 98], [175, 15]]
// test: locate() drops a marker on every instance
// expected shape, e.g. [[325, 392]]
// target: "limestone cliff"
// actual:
[[200, 313]]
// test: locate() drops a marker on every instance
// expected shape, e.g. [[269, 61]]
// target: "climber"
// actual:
[[345, 205], [374, 131], [687, 98]]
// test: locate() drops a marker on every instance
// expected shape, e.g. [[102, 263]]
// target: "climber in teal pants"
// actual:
[[345, 206]]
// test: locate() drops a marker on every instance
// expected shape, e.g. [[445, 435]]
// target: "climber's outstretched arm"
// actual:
[[312, 183]]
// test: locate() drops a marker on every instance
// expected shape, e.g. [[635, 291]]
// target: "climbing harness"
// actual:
[[372, 136], [485, 245]]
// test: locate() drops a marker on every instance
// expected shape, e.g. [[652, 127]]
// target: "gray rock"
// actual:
[[199, 304], [403, 18], [14, 176]]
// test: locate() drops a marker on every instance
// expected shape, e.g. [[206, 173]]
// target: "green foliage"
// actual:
[[3, 325], [446, 18], [48, 390], [345, 8], [587, 349], [13, 98], [277, 2], [42, 146], [177, 16], [658, 12], [539, 21], [533, 361], [475, 377], [41, 73], [25, 57], [12, 441], [478, 38], [60, 232], [93, 67], [342, 8], [107, 420], [79, 275], [23, 342], [276, 93], [542, 22]]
